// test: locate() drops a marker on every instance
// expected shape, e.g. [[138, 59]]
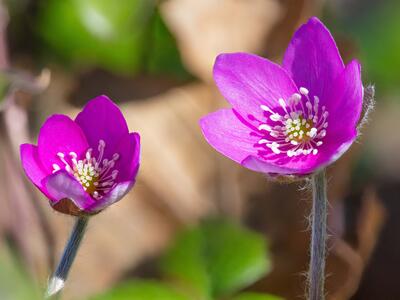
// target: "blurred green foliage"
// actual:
[[375, 26], [129, 37], [4, 87], [163, 55], [256, 296], [15, 283], [212, 261], [217, 259], [185, 263], [95, 32], [142, 290]]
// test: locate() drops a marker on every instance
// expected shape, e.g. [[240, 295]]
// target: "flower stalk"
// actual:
[[316, 274], [57, 281]]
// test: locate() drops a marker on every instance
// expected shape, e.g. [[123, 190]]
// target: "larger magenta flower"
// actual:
[[289, 119], [86, 164]]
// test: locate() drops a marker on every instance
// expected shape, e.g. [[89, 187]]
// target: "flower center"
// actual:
[[299, 130], [96, 175]]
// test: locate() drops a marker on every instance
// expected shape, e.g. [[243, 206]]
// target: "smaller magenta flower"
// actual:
[[84, 165], [292, 119]]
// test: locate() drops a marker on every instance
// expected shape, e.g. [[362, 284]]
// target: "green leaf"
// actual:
[[141, 290], [184, 262], [236, 257], [96, 32], [164, 57], [217, 259], [256, 296]]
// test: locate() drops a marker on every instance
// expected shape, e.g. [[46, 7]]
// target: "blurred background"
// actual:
[[196, 225]]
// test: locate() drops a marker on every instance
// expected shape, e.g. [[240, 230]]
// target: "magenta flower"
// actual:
[[85, 165], [289, 119]]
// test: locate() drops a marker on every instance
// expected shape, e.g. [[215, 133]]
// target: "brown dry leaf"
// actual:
[[206, 28], [372, 218], [176, 160], [347, 263], [21, 218]]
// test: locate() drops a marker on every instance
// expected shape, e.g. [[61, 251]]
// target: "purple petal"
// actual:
[[248, 81], [228, 135], [303, 164], [128, 163], [32, 165], [312, 58], [101, 119], [253, 163], [345, 102], [62, 185], [59, 134], [338, 150], [328, 153], [115, 195], [128, 166]]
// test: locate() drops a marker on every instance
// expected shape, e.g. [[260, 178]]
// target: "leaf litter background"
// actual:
[[196, 226]]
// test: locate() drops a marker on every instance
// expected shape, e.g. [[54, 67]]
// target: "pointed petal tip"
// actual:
[[220, 61], [312, 58], [314, 22], [100, 100], [56, 118], [137, 137], [356, 63], [203, 121], [59, 134], [207, 121], [247, 81], [24, 147], [110, 123], [32, 166], [230, 58]]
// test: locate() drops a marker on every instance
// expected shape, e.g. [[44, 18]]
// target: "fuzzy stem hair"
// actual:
[[316, 275]]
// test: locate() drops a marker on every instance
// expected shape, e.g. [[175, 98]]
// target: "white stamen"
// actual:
[[91, 171], [313, 132], [266, 108], [56, 168], [294, 99], [301, 126], [303, 91], [264, 127], [282, 104], [275, 117]]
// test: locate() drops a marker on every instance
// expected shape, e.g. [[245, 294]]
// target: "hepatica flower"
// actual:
[[86, 164], [292, 119]]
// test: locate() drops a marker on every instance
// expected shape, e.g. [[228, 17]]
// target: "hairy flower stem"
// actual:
[[57, 281], [316, 275]]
